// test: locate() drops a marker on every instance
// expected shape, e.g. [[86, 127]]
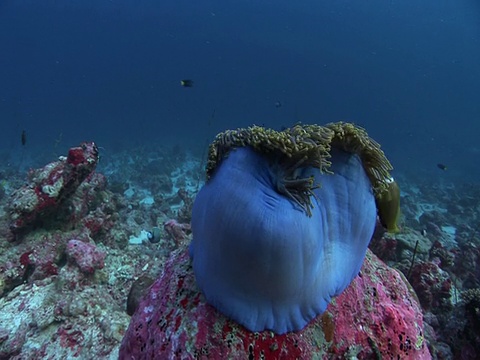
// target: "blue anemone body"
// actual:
[[259, 259]]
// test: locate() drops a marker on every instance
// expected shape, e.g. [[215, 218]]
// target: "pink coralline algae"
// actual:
[[177, 231], [40, 262], [49, 186], [385, 247], [375, 317], [86, 256], [432, 285]]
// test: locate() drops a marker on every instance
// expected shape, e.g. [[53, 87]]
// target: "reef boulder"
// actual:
[[377, 316], [49, 187]]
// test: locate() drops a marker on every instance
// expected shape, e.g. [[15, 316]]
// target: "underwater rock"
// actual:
[[137, 292], [49, 187], [45, 320], [87, 256], [375, 317], [178, 232], [385, 247], [433, 286]]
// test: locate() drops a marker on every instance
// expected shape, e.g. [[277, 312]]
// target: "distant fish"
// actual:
[[212, 117], [24, 137], [278, 104], [186, 83], [442, 167]]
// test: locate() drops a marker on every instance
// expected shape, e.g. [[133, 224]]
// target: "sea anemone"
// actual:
[[283, 223]]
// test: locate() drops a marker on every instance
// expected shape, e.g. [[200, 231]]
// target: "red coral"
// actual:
[[45, 201], [75, 156], [47, 269], [70, 338], [25, 258], [84, 154]]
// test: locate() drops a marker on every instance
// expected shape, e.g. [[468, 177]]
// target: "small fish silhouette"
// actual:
[[186, 83], [24, 137]]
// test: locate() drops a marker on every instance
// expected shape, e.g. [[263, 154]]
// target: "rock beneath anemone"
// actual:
[[376, 317]]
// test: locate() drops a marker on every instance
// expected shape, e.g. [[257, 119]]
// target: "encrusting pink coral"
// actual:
[[375, 317], [86, 256]]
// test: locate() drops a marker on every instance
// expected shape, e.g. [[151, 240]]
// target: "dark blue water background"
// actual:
[[109, 71]]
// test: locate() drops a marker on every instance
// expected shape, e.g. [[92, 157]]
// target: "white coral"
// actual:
[[24, 200], [53, 190]]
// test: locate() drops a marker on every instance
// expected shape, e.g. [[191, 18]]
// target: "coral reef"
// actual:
[[48, 187], [438, 250], [65, 280], [50, 308], [45, 320]]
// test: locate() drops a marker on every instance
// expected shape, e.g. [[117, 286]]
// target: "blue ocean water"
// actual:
[[110, 71]]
